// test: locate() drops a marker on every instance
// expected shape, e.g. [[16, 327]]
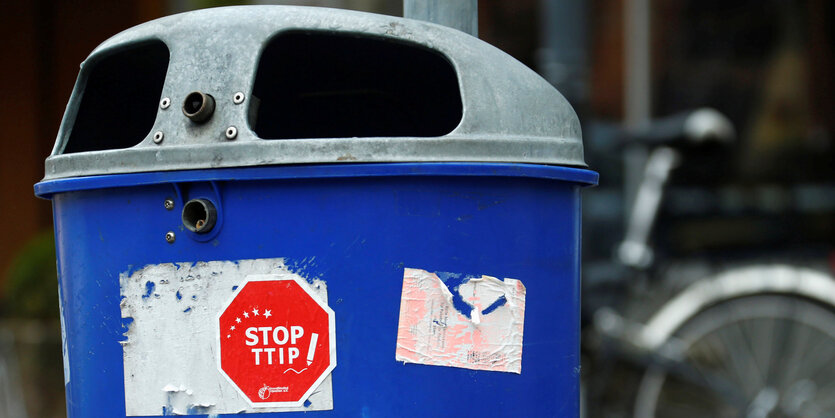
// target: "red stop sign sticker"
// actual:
[[277, 341]]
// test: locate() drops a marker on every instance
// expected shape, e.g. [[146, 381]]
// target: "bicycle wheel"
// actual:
[[775, 352]]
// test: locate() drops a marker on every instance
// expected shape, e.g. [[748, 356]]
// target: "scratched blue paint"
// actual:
[[131, 269], [198, 410], [179, 295], [453, 282], [458, 301], [149, 289], [355, 226], [306, 267], [126, 322], [495, 305]]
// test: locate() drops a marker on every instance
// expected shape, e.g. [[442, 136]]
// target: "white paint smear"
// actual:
[[431, 331], [169, 355], [64, 338]]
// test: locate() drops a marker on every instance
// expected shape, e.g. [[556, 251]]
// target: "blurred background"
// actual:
[[761, 194]]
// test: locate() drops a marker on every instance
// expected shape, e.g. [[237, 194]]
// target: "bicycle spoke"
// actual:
[[740, 358], [744, 333], [821, 359], [786, 336], [765, 338], [707, 359], [798, 351], [684, 400]]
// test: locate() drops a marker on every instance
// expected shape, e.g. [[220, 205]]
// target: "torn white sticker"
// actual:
[[64, 338], [171, 350], [479, 326]]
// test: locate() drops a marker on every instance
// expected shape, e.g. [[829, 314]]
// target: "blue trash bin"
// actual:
[[243, 196]]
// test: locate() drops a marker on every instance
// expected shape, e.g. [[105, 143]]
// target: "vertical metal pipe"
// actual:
[[458, 14], [638, 92], [637, 65], [562, 58]]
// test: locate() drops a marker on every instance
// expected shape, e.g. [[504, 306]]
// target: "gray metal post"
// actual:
[[638, 92], [562, 58], [458, 14], [638, 83]]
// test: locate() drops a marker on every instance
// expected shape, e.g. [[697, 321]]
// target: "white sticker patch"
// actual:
[[64, 338], [170, 354], [433, 331]]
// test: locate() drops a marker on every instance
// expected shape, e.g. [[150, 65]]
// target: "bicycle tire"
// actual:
[[740, 336]]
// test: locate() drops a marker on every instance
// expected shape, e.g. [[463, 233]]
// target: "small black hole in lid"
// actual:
[[119, 103], [314, 84]]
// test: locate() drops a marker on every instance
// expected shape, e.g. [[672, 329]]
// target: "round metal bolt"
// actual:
[[165, 102], [158, 137], [238, 98], [231, 132], [169, 204], [170, 237]]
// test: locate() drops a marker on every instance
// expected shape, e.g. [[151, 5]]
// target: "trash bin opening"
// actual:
[[318, 84], [120, 97]]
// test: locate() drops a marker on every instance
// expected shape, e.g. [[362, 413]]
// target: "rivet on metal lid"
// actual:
[[231, 132]]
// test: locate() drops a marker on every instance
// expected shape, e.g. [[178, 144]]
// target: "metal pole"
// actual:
[[562, 58], [638, 92], [458, 14], [638, 71]]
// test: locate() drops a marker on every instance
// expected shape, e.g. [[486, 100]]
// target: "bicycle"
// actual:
[[755, 339]]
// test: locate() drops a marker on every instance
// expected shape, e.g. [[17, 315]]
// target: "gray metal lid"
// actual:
[[509, 113]]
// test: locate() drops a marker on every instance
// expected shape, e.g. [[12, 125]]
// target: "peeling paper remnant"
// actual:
[[433, 329]]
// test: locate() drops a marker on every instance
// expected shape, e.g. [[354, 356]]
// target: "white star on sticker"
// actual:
[[238, 320], [267, 313], [255, 312], [232, 329], [246, 314]]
